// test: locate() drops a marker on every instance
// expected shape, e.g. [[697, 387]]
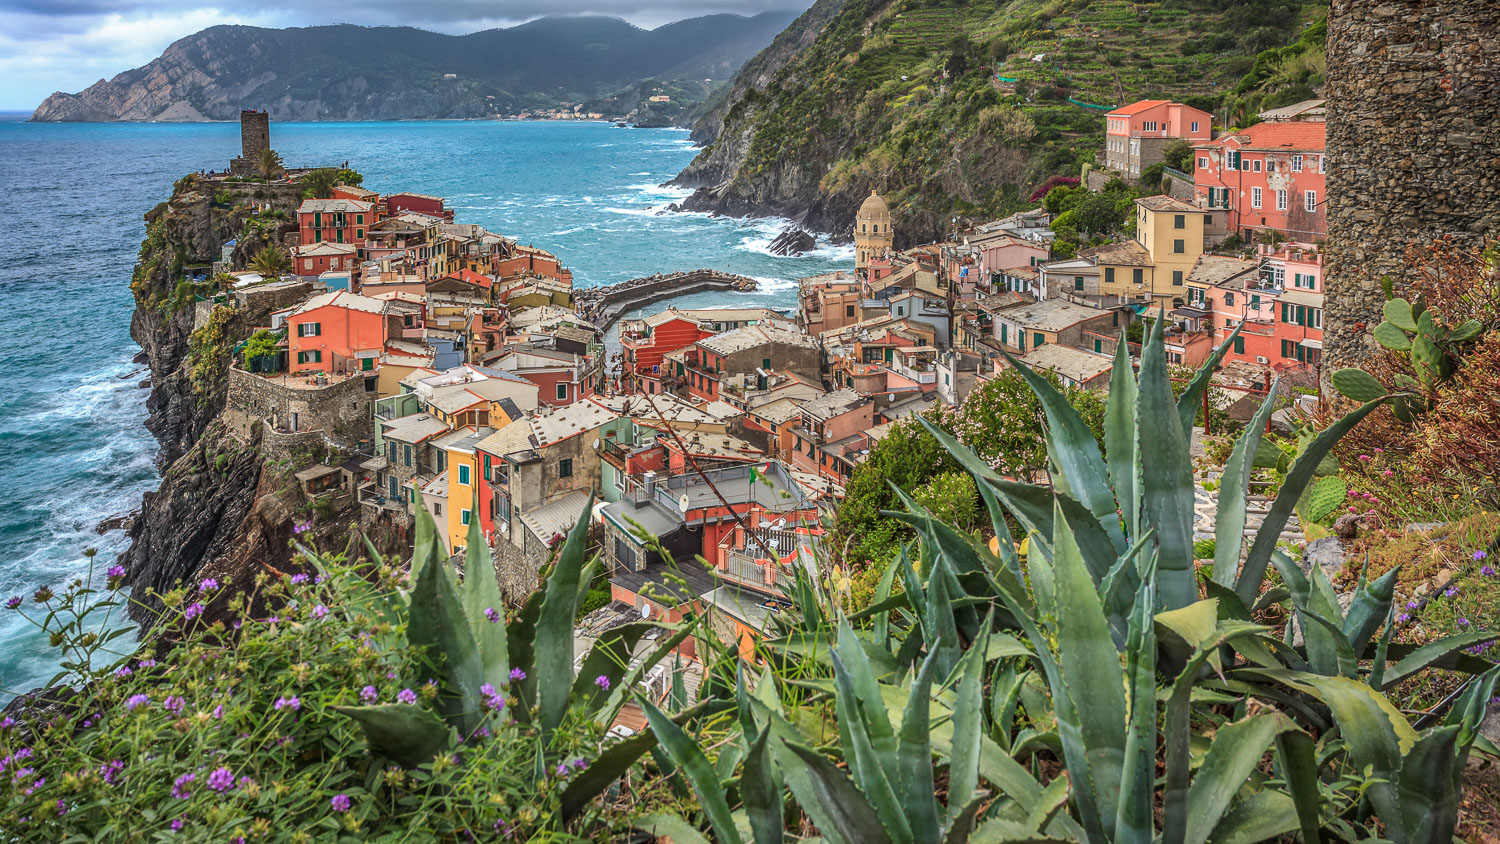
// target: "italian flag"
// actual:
[[758, 472]]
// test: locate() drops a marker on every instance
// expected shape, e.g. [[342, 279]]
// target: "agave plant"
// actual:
[[471, 654], [1097, 650]]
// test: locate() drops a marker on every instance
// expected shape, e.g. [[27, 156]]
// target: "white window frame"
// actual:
[[1255, 165], [1202, 162], [1297, 163], [1321, 159], [1195, 126], [1255, 197], [1310, 200], [1280, 200]]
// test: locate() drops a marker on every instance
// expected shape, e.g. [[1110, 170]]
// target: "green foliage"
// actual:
[[1324, 498], [1432, 348], [1179, 156], [262, 344], [268, 164], [271, 261], [319, 183]]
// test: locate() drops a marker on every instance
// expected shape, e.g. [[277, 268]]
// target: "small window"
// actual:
[[1078, 282], [1255, 165], [565, 467], [437, 508], [1239, 344], [1195, 126], [1138, 275], [1296, 164], [848, 310], [1310, 198], [562, 391], [1177, 278], [463, 516], [408, 455], [1037, 339], [1109, 275], [1229, 298], [359, 234], [1203, 162], [1208, 219], [1280, 200], [1255, 197], [463, 474], [1179, 221], [1179, 247]]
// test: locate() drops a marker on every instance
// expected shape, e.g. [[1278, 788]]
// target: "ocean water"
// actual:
[[73, 449]]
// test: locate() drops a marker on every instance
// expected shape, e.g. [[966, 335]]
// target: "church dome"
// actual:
[[874, 208]]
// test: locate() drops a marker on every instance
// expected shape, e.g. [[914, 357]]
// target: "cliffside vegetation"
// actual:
[[960, 107]]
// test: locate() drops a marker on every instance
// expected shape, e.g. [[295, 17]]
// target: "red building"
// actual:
[[432, 206], [319, 258], [1270, 176], [334, 221], [337, 332], [647, 341]]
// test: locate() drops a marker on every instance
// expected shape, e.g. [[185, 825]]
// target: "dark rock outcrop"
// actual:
[[793, 241]]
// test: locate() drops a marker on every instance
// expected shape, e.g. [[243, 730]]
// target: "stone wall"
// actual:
[[1413, 145], [342, 410]]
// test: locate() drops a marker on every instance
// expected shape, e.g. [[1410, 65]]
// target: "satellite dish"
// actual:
[[682, 503], [645, 610], [595, 446]]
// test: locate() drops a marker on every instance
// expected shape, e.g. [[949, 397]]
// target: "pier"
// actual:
[[604, 305]]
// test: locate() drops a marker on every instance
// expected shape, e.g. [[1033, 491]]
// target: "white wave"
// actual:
[[766, 284], [631, 212], [646, 173]]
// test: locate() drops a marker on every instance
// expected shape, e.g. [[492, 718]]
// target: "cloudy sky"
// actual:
[[67, 45]]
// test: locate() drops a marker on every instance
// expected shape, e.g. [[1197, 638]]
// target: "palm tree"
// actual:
[[268, 163], [271, 261]]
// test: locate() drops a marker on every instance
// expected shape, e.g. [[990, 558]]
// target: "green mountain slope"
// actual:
[[958, 107], [385, 73]]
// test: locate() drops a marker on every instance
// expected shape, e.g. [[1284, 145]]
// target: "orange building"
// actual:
[[337, 332]]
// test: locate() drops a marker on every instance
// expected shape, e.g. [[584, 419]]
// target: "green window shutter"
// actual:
[[1003, 332], [302, 357], [565, 468], [1109, 275], [463, 475], [1098, 345], [464, 517], [1037, 339], [367, 364], [1179, 247], [1239, 345], [1138, 275], [359, 219], [1177, 278]]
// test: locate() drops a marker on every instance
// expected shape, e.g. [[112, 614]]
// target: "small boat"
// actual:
[[620, 124]]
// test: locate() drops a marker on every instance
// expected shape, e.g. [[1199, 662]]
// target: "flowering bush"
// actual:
[[243, 730]]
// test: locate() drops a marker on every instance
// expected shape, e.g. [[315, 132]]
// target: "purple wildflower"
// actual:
[[291, 703], [246, 782], [116, 571], [339, 802], [406, 696], [1480, 555], [13, 602], [145, 663], [177, 825], [602, 681], [299, 579], [517, 674], [208, 584], [173, 704], [319, 611], [42, 595], [1411, 605], [1403, 618], [218, 712], [137, 700], [182, 788], [122, 672], [489, 613], [1365, 458], [275, 619], [1487, 571], [1463, 622], [62, 808], [301, 527], [368, 694], [562, 769], [221, 780], [7, 723], [193, 610], [1450, 592], [110, 771], [580, 764]]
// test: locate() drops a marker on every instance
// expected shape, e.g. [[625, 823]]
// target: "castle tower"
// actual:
[[873, 234], [1413, 130], [255, 133]]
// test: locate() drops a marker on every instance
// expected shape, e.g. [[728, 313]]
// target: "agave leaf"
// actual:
[[1192, 396], [1121, 447], [968, 726], [1469, 711], [609, 658], [1167, 473], [1372, 603], [1235, 753], [1297, 758], [480, 592], [1260, 816], [1297, 479], [1429, 786], [1234, 487], [1090, 671], [554, 627], [404, 733], [1432, 653], [520, 637], [869, 768], [616, 759], [918, 796], [1079, 469], [940, 613], [695, 767], [856, 664], [845, 808], [437, 624], [882, 620], [761, 792], [1133, 814]]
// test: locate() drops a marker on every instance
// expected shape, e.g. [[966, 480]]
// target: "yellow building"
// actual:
[[462, 467], [1168, 240], [874, 235]]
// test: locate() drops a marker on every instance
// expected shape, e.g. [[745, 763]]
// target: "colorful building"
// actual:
[[337, 332], [1135, 135], [334, 221], [1271, 176]]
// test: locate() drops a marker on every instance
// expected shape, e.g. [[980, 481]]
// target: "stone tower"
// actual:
[[1413, 147], [255, 133], [873, 235]]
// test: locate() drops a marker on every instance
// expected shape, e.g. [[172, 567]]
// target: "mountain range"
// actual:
[[347, 72]]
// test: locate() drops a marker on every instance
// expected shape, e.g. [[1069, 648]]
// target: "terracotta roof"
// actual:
[[1291, 136], [1136, 108]]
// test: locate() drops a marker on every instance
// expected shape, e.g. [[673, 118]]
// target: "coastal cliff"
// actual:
[[224, 508], [957, 109], [350, 72]]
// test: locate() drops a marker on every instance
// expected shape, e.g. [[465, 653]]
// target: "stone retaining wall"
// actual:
[[342, 410], [604, 305], [1413, 147]]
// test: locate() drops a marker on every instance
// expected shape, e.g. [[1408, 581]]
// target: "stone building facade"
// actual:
[[339, 412], [1413, 143], [255, 135]]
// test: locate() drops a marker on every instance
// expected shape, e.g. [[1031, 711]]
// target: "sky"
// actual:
[[68, 45]]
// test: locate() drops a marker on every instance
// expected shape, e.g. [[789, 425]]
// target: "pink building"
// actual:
[[1270, 176], [1135, 135]]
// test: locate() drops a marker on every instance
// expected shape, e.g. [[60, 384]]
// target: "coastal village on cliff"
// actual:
[[438, 365]]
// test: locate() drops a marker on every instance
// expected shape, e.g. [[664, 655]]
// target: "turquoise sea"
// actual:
[[73, 450]]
